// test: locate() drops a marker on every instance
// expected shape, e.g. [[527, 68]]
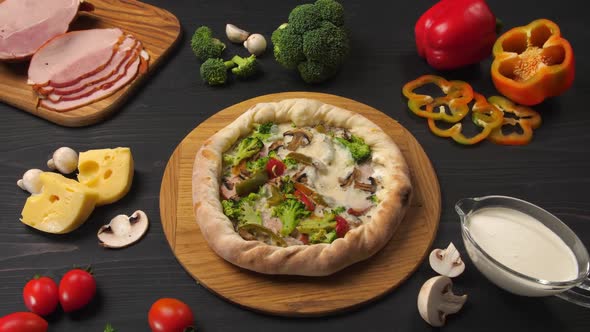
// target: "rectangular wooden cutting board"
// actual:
[[156, 28]]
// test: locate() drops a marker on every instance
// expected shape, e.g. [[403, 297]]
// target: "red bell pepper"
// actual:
[[456, 33]]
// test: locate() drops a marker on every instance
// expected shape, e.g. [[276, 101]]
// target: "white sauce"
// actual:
[[523, 244]]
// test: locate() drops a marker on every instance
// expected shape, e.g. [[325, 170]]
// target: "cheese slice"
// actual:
[[107, 171], [62, 206]]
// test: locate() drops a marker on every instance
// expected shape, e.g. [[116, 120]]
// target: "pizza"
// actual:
[[299, 187]]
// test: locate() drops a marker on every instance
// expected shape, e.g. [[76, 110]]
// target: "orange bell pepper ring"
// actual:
[[533, 62], [458, 94], [485, 115], [525, 117]]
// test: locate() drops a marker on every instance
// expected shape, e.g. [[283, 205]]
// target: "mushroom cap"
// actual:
[[436, 300], [235, 34], [123, 231], [256, 44], [447, 262], [65, 160], [31, 181]]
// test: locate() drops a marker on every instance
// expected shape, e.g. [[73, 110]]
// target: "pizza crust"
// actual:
[[310, 260]]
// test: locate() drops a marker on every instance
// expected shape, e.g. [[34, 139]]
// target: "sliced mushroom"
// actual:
[[347, 180], [447, 262], [300, 176], [436, 300], [123, 231], [275, 145], [370, 187], [300, 138]]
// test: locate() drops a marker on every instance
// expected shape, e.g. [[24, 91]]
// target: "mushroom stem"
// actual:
[[451, 303]]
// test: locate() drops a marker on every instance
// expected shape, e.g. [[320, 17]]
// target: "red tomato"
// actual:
[[76, 289], [40, 295], [342, 226], [170, 315], [274, 168], [23, 321], [305, 200]]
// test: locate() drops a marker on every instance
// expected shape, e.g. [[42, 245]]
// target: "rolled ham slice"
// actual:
[[25, 25], [112, 79], [62, 106], [121, 57], [71, 57]]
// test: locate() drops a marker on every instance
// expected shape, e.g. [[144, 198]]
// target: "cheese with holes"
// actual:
[[107, 171], [62, 206]]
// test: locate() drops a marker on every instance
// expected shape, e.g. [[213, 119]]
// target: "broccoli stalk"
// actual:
[[320, 230], [248, 147], [290, 211], [314, 41], [247, 67], [359, 150], [214, 71], [204, 45]]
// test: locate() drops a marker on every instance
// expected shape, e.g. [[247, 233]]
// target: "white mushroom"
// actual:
[[436, 300], [256, 44], [123, 231], [235, 34], [31, 181], [65, 160], [447, 262]]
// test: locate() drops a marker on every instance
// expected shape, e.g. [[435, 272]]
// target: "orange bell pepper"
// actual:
[[532, 62], [524, 117]]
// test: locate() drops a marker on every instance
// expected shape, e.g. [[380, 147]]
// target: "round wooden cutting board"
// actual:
[[295, 295]]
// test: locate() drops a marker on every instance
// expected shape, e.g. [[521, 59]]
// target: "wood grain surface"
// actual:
[[156, 28], [290, 295], [552, 172]]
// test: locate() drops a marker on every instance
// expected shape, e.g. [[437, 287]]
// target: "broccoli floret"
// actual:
[[338, 210], [231, 208], [204, 45], [374, 199], [248, 147], [290, 163], [254, 166], [304, 18], [287, 186], [214, 71], [315, 72], [290, 212], [331, 11], [322, 236], [313, 41], [263, 131], [327, 45], [265, 128], [288, 46], [358, 148], [247, 67], [248, 213], [313, 225]]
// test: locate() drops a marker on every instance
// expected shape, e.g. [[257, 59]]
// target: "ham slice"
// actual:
[[25, 25], [126, 50], [62, 106], [112, 79], [71, 57]]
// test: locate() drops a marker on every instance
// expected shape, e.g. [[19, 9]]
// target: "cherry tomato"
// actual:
[[40, 295], [23, 321], [305, 200], [170, 315], [275, 167], [342, 226], [76, 289]]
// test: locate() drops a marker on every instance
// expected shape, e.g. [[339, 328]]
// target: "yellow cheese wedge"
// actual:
[[62, 206], [107, 171]]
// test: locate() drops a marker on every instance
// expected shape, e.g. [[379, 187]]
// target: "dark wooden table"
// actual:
[[553, 172]]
